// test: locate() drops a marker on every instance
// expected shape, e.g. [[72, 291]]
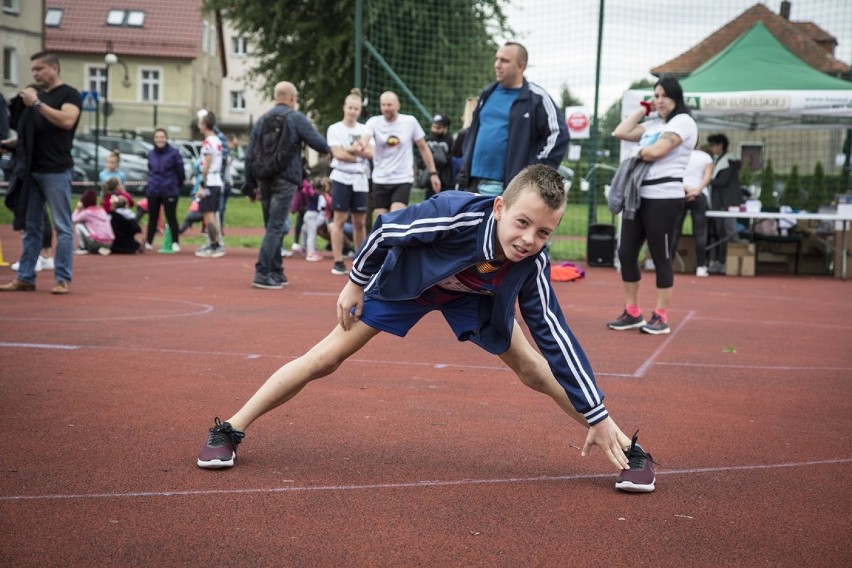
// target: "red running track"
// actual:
[[418, 452]]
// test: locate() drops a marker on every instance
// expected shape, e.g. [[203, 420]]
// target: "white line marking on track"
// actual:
[[201, 310], [39, 346], [405, 484], [643, 368]]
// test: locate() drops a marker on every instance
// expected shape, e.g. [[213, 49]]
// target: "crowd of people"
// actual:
[[475, 246]]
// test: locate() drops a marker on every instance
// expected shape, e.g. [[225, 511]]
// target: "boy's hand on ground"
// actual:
[[349, 305], [604, 434]]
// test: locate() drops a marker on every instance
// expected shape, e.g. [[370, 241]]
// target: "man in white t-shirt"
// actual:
[[210, 190], [389, 141]]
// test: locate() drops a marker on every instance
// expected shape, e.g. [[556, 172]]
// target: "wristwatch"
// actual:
[[433, 173], [36, 104]]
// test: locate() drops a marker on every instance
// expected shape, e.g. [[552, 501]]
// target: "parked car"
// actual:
[[125, 145], [82, 181], [134, 167]]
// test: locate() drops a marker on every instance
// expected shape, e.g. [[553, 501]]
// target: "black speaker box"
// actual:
[[600, 245]]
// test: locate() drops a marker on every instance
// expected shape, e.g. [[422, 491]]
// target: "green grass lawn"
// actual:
[[569, 244]]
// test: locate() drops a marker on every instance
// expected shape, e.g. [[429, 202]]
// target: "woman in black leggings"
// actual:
[[667, 141]]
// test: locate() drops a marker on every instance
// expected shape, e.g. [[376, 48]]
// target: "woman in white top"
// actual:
[[349, 185], [667, 142], [696, 179]]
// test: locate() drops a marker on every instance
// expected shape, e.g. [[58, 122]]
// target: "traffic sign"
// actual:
[[90, 100]]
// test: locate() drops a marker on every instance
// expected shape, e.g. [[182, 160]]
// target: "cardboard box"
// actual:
[[684, 260], [740, 261]]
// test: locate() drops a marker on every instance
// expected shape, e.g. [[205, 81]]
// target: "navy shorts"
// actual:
[[386, 193], [343, 198], [210, 202], [399, 316]]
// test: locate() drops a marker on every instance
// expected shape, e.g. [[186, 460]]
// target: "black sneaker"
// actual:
[[280, 278], [220, 449], [266, 283], [640, 477], [656, 326], [339, 268], [626, 321]]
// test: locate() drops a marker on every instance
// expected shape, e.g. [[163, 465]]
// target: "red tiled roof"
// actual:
[[799, 37], [171, 29], [816, 33]]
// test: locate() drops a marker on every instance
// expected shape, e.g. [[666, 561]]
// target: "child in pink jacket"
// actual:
[[92, 226]]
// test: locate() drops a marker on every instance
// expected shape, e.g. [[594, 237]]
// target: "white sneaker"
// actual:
[[104, 251], [702, 272], [297, 248], [286, 253], [149, 246], [176, 247], [80, 251], [45, 263], [15, 266]]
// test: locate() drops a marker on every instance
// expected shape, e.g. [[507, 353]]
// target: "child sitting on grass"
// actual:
[[92, 226]]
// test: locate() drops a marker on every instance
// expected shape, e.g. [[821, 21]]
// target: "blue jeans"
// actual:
[[275, 200], [55, 191]]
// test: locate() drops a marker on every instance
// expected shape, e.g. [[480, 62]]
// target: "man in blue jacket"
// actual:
[[471, 258], [516, 124]]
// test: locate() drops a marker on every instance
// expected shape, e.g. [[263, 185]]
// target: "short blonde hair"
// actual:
[[544, 180]]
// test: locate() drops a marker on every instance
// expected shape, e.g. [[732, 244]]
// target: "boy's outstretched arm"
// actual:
[[604, 434], [349, 304]]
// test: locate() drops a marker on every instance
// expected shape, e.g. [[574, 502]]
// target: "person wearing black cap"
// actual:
[[440, 141]]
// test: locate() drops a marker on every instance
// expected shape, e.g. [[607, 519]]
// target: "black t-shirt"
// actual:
[[52, 147]]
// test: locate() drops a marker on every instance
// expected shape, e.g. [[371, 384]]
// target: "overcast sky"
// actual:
[[561, 37]]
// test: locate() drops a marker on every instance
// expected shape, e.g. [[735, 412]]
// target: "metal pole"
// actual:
[[397, 79], [359, 22], [593, 143], [106, 99], [97, 129]]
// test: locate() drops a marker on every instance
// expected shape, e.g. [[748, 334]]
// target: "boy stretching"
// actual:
[[469, 257]]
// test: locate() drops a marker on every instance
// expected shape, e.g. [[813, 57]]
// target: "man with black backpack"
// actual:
[[273, 171]]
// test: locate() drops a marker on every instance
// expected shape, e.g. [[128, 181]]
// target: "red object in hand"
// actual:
[[647, 106]]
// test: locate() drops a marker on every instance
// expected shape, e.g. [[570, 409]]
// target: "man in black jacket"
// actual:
[[725, 191], [516, 124]]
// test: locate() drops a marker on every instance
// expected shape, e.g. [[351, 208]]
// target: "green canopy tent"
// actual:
[[757, 83]]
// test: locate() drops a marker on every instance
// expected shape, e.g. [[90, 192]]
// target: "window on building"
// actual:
[[116, 17], [10, 65], [135, 19], [53, 17], [239, 46], [214, 41], [129, 18], [12, 6], [150, 85], [96, 79], [238, 100], [205, 36]]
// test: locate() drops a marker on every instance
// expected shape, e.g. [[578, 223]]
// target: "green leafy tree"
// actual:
[[793, 190], [745, 176], [817, 193], [443, 51], [610, 120], [567, 98], [767, 187]]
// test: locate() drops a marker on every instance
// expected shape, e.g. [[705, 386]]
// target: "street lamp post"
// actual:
[[111, 59]]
